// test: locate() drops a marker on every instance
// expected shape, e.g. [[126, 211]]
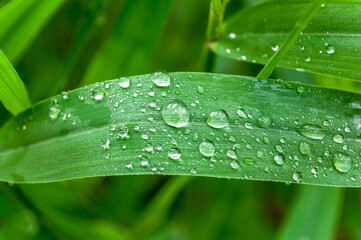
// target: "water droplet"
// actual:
[[200, 89], [105, 144], [235, 165], [279, 148], [311, 131], [231, 154], [342, 162], [279, 159], [275, 48], [144, 161], [304, 148], [264, 121], [149, 147], [218, 119], [124, 82], [347, 129], [241, 113], [98, 95], [330, 49], [338, 138], [176, 114], [207, 148], [194, 171], [297, 176], [248, 161], [259, 154], [308, 59], [161, 79], [174, 153], [300, 89], [54, 112], [232, 35]]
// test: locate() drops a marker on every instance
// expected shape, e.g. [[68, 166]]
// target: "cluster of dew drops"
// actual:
[[176, 114]]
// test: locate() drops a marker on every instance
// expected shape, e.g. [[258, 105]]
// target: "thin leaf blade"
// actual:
[[327, 46]]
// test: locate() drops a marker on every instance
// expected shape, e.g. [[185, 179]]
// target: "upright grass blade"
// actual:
[[13, 93], [329, 45], [314, 215], [301, 24], [130, 46], [154, 215], [201, 124], [21, 21]]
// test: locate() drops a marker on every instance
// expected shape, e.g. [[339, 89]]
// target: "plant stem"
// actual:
[[215, 20], [301, 24]]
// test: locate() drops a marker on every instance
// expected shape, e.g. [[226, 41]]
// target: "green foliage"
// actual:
[[202, 124]]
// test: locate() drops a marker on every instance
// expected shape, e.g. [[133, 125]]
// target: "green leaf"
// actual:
[[260, 129], [13, 93], [21, 21], [314, 215], [329, 45], [130, 46]]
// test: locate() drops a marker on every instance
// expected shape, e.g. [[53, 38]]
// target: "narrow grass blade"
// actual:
[[21, 21], [327, 46], [13, 93], [201, 124], [314, 215]]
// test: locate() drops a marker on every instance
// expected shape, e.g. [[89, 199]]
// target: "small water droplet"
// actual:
[[54, 112], [235, 165], [338, 138], [249, 161], [297, 176], [98, 95], [311, 131], [176, 114], [308, 59], [124, 82], [149, 147], [232, 35], [342, 162], [275, 48], [194, 171], [218, 119], [207, 148], [105, 144], [161, 79], [264, 121], [304, 148], [200, 89], [174, 153], [231, 154], [330, 49], [300, 89], [241, 113], [279, 159]]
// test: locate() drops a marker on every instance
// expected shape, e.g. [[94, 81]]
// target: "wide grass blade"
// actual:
[[314, 215], [129, 48], [21, 21], [201, 124], [13, 93], [329, 45]]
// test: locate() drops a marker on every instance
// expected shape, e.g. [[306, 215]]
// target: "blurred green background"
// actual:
[[86, 41]]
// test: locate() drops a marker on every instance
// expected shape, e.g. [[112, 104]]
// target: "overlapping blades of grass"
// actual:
[[329, 45], [257, 129]]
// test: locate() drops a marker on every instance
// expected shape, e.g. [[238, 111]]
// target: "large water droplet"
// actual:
[[231, 154], [176, 114], [342, 162], [161, 79], [174, 153], [207, 148], [279, 159], [311, 131], [338, 138], [304, 148], [218, 119]]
